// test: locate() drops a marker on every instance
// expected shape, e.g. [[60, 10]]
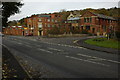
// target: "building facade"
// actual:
[[15, 30], [93, 23], [97, 23], [39, 25]]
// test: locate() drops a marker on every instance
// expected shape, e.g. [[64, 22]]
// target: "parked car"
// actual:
[[30, 34], [1, 35]]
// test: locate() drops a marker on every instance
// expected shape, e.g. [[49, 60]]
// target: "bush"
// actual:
[[75, 31], [54, 30], [84, 32], [99, 39], [117, 34]]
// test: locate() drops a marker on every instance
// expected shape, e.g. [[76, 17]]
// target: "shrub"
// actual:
[[99, 39], [84, 32], [117, 34], [75, 31], [54, 30]]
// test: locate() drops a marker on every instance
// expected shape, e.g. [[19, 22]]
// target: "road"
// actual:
[[65, 61]]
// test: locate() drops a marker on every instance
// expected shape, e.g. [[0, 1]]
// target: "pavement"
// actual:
[[97, 48], [11, 67], [60, 58]]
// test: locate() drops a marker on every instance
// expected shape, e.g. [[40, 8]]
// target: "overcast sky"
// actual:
[[49, 6]]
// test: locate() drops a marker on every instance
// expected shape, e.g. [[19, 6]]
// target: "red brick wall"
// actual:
[[97, 23]]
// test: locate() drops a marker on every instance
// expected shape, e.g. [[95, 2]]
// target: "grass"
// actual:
[[103, 42]]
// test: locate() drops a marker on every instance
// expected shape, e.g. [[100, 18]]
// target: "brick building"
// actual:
[[38, 25], [97, 23], [93, 23], [15, 30], [74, 21]]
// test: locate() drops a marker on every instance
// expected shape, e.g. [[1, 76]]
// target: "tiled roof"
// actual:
[[75, 18], [19, 26], [44, 15], [104, 16]]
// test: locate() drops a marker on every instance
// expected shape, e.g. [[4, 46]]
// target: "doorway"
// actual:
[[22, 33], [93, 30], [81, 27], [40, 33]]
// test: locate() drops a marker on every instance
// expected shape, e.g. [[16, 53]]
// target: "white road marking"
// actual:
[[19, 43], [75, 41], [56, 49], [65, 45], [98, 58], [84, 55], [87, 61], [45, 50]]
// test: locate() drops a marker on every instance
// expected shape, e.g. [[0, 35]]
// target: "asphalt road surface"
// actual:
[[67, 60]]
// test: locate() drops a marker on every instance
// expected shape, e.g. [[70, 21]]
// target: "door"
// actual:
[[93, 30], [23, 33], [40, 33]]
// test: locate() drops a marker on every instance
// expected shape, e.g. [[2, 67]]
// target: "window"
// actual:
[[53, 25], [48, 25], [88, 19], [29, 20], [55, 20], [40, 25], [87, 27], [104, 28], [52, 20], [55, 15], [85, 20], [48, 20], [40, 19], [45, 24]]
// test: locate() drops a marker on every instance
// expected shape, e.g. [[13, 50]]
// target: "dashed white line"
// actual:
[[55, 49], [75, 41], [87, 61], [45, 50], [98, 58], [19, 43], [65, 45], [84, 55]]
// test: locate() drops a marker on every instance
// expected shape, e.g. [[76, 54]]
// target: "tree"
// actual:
[[64, 15], [54, 31], [9, 8]]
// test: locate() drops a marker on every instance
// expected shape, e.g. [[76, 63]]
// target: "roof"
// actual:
[[44, 15], [104, 16], [75, 18], [19, 26], [13, 26]]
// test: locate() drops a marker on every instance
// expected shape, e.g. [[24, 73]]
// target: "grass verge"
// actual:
[[104, 42]]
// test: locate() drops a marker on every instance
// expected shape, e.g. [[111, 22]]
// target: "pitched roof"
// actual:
[[44, 15], [104, 16], [75, 18]]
